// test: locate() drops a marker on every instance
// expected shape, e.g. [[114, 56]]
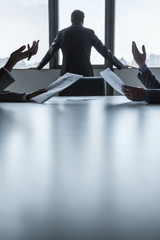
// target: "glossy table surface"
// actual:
[[80, 169]]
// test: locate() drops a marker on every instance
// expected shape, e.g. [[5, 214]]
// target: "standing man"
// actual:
[[76, 42]]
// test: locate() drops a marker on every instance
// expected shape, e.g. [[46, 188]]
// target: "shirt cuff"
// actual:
[[25, 97], [8, 72], [146, 95], [141, 71]]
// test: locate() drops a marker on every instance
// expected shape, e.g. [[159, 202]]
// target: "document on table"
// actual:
[[113, 80], [60, 84]]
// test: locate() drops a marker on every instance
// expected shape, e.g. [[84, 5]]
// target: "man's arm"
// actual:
[[5, 79], [151, 95], [148, 79], [145, 75], [140, 94], [7, 96], [54, 47], [20, 54], [107, 54]]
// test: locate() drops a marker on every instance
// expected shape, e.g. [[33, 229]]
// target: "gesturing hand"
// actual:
[[140, 58], [20, 54]]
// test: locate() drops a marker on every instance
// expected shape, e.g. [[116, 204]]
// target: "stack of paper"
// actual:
[[57, 86], [112, 79]]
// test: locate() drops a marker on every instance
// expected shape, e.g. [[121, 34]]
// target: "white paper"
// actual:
[[113, 80], [57, 99], [57, 86]]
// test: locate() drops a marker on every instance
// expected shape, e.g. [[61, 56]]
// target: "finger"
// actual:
[[136, 49], [43, 90], [36, 49], [130, 97], [20, 49], [143, 49], [133, 46], [123, 88], [28, 46], [34, 44], [40, 91], [128, 88]]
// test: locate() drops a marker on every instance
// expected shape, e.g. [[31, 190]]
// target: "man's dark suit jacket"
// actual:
[[76, 42], [5, 80], [152, 85], [6, 96]]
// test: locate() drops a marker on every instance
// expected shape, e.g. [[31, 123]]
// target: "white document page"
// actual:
[[60, 84], [113, 80]]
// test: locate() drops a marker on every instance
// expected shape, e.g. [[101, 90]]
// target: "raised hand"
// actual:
[[20, 54], [140, 58]]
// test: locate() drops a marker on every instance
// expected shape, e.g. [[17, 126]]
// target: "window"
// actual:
[[139, 21], [94, 19], [23, 21]]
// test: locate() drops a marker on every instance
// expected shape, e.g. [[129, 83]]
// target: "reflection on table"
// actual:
[[80, 168]]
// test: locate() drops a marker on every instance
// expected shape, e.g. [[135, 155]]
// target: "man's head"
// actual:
[[77, 16]]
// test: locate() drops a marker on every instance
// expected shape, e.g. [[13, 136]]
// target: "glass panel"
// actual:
[[23, 21], [94, 19], [139, 21]]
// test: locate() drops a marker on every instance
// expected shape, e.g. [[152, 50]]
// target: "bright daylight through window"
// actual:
[[23, 21], [137, 21]]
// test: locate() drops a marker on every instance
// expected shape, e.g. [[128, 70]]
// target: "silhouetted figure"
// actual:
[[76, 42]]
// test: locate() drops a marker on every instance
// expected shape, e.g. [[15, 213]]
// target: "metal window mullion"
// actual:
[[53, 27], [109, 33]]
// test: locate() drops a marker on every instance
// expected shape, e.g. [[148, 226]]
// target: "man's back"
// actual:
[[76, 42]]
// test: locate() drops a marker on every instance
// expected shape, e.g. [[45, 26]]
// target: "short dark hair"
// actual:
[[77, 16]]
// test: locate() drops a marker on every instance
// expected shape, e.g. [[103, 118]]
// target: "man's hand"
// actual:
[[140, 58], [134, 93], [127, 66], [32, 68], [34, 94], [20, 54]]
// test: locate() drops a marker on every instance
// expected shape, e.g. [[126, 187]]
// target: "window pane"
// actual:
[[139, 21], [94, 19], [23, 21]]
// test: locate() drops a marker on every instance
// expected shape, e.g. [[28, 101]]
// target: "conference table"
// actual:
[[80, 168]]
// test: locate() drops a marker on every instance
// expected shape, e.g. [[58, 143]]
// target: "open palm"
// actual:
[[140, 58]]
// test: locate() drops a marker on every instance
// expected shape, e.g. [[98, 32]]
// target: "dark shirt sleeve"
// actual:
[[54, 47], [152, 85], [149, 80], [5, 79], [7, 96], [103, 50]]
